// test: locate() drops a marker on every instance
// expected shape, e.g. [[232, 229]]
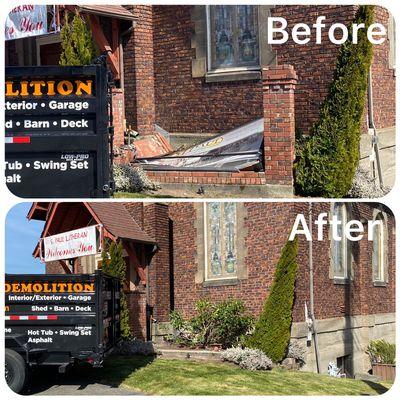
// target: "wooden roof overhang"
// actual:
[[116, 221], [112, 47]]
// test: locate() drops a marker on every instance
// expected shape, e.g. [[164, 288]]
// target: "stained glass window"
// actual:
[[221, 240], [378, 250], [340, 247], [234, 36]]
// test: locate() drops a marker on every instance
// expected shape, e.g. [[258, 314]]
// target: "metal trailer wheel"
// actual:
[[15, 370]]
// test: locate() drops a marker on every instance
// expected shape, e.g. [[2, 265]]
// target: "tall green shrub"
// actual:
[[113, 264], [272, 331], [76, 42], [328, 161]]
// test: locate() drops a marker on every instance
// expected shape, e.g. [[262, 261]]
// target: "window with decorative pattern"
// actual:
[[378, 249], [233, 37], [220, 240], [340, 248]]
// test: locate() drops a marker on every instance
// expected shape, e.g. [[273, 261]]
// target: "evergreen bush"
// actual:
[[113, 264], [272, 332], [76, 42], [328, 160]]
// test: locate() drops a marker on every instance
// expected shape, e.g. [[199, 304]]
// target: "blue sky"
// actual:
[[21, 238]]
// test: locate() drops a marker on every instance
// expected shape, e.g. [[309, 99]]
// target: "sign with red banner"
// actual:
[[25, 21]]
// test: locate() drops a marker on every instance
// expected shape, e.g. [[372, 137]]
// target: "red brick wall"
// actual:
[[384, 82], [137, 313], [118, 107], [139, 72], [263, 244], [186, 104], [154, 220], [360, 297], [314, 64], [279, 84], [268, 226]]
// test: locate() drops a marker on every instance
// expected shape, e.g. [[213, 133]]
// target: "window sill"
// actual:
[[232, 76], [341, 281], [380, 284], [221, 282]]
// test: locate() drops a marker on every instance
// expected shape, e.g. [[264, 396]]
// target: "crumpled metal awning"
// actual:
[[238, 149]]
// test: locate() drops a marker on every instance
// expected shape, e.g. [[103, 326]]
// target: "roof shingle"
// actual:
[[117, 220]]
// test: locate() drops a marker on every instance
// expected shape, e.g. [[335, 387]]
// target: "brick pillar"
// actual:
[[139, 72], [279, 83], [156, 224], [118, 116]]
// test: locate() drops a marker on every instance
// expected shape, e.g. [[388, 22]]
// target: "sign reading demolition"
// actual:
[[66, 307], [56, 124]]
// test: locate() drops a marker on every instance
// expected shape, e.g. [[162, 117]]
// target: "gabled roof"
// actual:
[[107, 10], [117, 221]]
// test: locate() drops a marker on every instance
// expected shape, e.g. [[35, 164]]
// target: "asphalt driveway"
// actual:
[[47, 381]]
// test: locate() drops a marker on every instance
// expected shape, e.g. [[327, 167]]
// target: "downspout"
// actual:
[[371, 126], [311, 270]]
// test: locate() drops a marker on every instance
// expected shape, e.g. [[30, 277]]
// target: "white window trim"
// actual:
[[46, 39], [210, 70], [207, 278]]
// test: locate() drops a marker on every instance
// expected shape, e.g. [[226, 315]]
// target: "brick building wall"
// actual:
[[187, 104], [139, 72], [153, 218], [118, 108], [268, 227], [360, 297], [384, 81], [313, 63]]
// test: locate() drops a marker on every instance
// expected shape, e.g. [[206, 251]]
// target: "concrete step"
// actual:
[[185, 354]]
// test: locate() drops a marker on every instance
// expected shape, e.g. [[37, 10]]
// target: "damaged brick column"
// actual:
[[279, 83], [139, 72]]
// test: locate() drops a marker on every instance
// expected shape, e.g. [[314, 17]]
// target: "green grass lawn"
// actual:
[[175, 377]]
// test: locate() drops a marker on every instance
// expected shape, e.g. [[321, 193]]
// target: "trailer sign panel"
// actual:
[[76, 243], [56, 126]]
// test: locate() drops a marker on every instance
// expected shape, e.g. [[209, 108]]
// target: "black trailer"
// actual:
[[58, 131], [58, 320]]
